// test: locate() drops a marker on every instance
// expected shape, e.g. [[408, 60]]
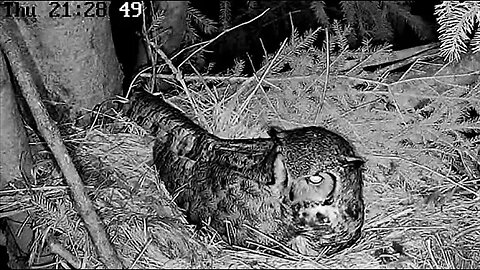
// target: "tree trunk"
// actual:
[[73, 64], [73, 58]]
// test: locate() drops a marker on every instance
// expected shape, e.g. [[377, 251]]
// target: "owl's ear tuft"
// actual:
[[276, 133], [352, 160]]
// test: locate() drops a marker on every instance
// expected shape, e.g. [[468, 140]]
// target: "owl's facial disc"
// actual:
[[318, 187], [312, 199]]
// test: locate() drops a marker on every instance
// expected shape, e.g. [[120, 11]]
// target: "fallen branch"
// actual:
[[232, 79]]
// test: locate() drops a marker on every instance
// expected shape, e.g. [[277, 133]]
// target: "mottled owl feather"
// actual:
[[261, 183], [211, 178]]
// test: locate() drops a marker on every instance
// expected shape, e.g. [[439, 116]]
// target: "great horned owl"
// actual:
[[302, 186], [322, 174]]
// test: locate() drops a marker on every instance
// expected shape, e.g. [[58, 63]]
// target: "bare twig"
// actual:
[[179, 78], [263, 90], [150, 54], [247, 101], [362, 80], [325, 84], [433, 97], [430, 170], [389, 218], [397, 107], [233, 79], [58, 249], [9, 42], [41, 189], [410, 80], [141, 253], [140, 73], [288, 249]]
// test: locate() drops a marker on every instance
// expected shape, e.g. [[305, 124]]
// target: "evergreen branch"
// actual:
[[307, 40], [475, 42], [382, 28], [157, 21], [349, 11], [238, 67], [370, 18], [203, 22], [339, 38], [225, 14], [418, 25], [294, 37], [191, 35], [470, 115], [318, 8], [208, 42], [294, 46], [457, 21], [252, 5]]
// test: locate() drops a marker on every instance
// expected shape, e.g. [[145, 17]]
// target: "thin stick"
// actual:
[[404, 228], [430, 170], [397, 107], [261, 88], [45, 188], [179, 78], [324, 92], [280, 244], [58, 249], [247, 101], [471, 99], [410, 80], [258, 245], [141, 253], [234, 79], [150, 54], [51, 134], [130, 86], [389, 218]]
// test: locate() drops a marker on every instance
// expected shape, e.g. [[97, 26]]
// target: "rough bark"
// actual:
[[73, 57]]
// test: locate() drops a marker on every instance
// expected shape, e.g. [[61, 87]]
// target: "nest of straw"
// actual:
[[143, 223], [421, 180]]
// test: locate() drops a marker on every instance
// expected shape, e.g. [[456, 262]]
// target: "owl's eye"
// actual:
[[316, 179], [320, 178]]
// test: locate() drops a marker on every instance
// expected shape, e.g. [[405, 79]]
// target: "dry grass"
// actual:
[[422, 187], [422, 203]]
